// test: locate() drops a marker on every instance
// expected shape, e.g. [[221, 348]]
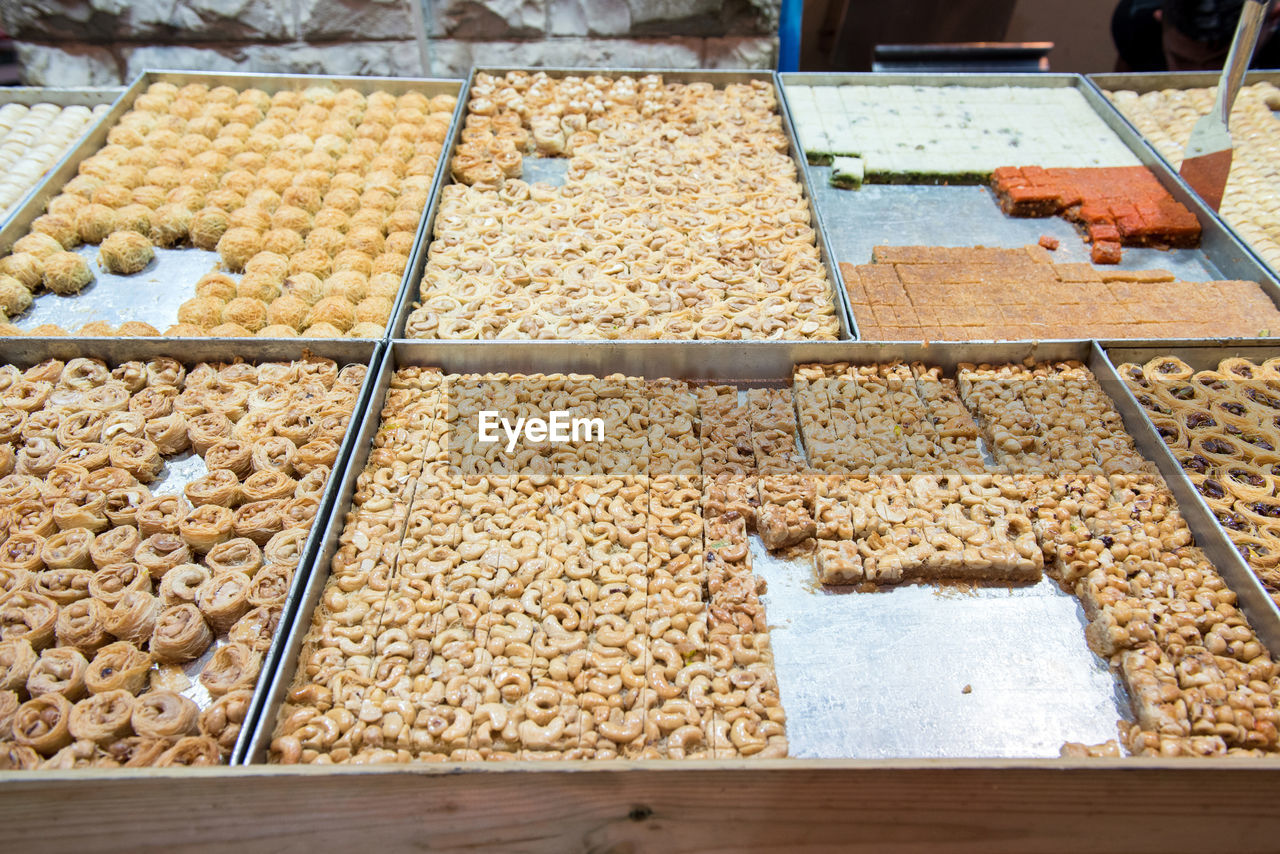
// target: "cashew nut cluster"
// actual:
[[504, 607], [314, 195], [1250, 203], [1221, 426], [113, 599], [681, 217]]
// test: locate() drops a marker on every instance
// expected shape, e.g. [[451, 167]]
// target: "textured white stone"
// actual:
[[741, 52], [68, 65], [488, 19], [185, 57], [588, 18], [161, 20], [451, 58], [354, 20], [383, 58], [671, 10]]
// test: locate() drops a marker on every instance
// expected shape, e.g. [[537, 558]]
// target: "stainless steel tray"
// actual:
[[856, 221], [115, 299], [1260, 608], [88, 96], [549, 169], [1151, 81], [861, 675], [30, 351]]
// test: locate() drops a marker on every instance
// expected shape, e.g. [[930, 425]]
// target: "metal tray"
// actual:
[[549, 169], [30, 351], [843, 658], [857, 220], [1262, 611], [1151, 81], [69, 97], [117, 298]]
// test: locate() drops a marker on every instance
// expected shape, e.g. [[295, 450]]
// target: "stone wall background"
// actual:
[[104, 42]]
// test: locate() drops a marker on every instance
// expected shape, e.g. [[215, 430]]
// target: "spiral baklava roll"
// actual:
[[259, 520], [153, 401], [270, 586], [267, 485], [22, 552], [16, 579], [43, 724], [312, 483], [121, 424], [112, 397], [11, 423], [220, 487], [117, 545], [28, 616], [273, 454], [164, 714], [223, 599], [63, 586], [31, 517], [118, 666], [20, 487], [163, 371], [26, 395], [111, 582], [232, 401], [131, 375], [179, 584], [207, 430], [232, 666], [140, 457], [133, 617], [103, 717], [169, 433], [137, 751], [161, 515], [8, 460], [257, 627], [315, 454], [80, 427], [80, 626], [68, 549], [91, 455], [160, 553], [82, 509], [332, 426], [122, 504], [206, 526], [181, 634], [65, 479], [223, 719], [300, 512], [37, 456], [60, 670], [254, 426], [285, 548], [241, 555], [297, 427], [81, 753], [17, 657], [190, 750], [108, 479], [231, 454]]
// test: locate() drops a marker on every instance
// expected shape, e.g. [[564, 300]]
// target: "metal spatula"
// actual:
[[1207, 160]]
